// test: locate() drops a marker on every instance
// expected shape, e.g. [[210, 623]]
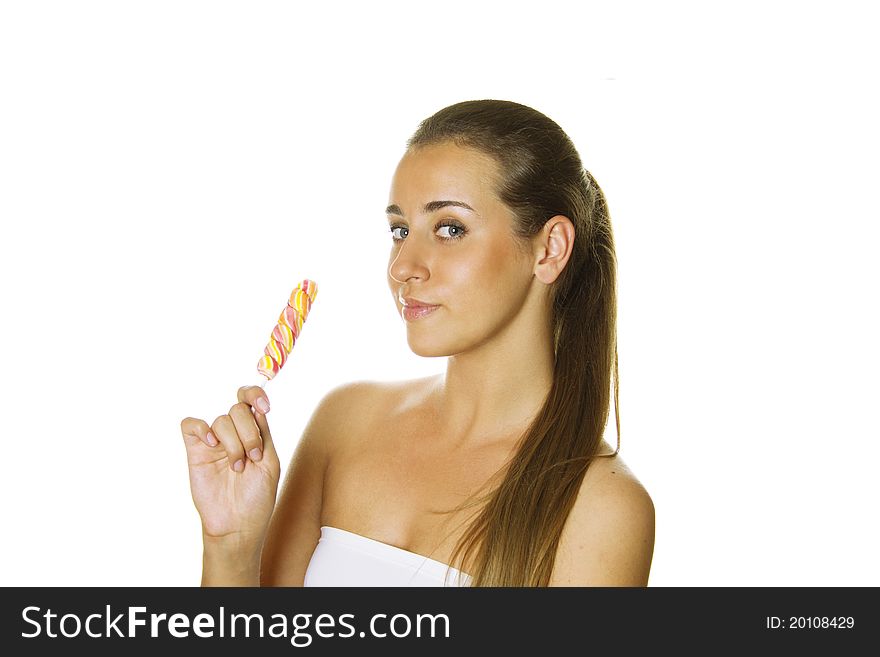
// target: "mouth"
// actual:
[[414, 312]]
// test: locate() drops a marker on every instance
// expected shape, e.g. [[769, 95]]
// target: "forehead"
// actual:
[[446, 170]]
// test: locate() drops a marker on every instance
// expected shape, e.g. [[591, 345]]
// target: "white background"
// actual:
[[169, 170]]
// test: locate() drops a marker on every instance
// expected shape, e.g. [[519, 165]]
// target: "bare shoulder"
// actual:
[[369, 389], [351, 408], [608, 538], [350, 401], [345, 400]]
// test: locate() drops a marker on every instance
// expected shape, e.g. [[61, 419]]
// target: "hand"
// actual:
[[234, 470]]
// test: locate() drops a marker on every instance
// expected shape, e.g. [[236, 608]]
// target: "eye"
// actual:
[[447, 231], [453, 231], [399, 232]]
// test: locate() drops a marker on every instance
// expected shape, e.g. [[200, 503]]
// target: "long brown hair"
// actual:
[[517, 530]]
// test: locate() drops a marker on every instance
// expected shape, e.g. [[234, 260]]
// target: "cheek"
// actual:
[[491, 277]]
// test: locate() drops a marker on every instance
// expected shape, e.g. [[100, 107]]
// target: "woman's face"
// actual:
[[463, 263]]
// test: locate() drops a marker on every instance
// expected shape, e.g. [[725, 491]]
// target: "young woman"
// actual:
[[494, 473]]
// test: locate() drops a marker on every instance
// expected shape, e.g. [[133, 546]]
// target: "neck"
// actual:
[[497, 388]]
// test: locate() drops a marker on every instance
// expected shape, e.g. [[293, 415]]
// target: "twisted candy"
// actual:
[[288, 328]]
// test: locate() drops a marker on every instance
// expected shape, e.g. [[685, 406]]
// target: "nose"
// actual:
[[409, 262]]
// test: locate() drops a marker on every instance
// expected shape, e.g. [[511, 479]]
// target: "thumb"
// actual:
[[268, 444], [256, 397]]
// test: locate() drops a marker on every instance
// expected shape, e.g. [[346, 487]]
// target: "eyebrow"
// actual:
[[432, 206]]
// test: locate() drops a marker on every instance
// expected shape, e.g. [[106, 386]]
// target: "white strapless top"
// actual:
[[343, 558]]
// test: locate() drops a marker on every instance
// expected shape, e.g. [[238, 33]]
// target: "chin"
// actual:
[[427, 348], [436, 344], [432, 343]]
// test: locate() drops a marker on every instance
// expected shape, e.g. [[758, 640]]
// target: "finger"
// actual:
[[224, 429], [247, 429], [194, 429], [254, 396]]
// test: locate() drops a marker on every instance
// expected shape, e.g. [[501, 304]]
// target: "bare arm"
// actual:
[[295, 526]]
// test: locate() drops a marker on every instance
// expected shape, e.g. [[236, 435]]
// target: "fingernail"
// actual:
[[263, 405], [255, 454], [239, 465], [211, 440]]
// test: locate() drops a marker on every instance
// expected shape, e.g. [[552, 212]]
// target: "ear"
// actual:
[[553, 245]]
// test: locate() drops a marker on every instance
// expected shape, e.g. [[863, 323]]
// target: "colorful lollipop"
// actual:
[[287, 330]]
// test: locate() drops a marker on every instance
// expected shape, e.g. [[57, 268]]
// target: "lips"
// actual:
[[415, 308], [411, 313]]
